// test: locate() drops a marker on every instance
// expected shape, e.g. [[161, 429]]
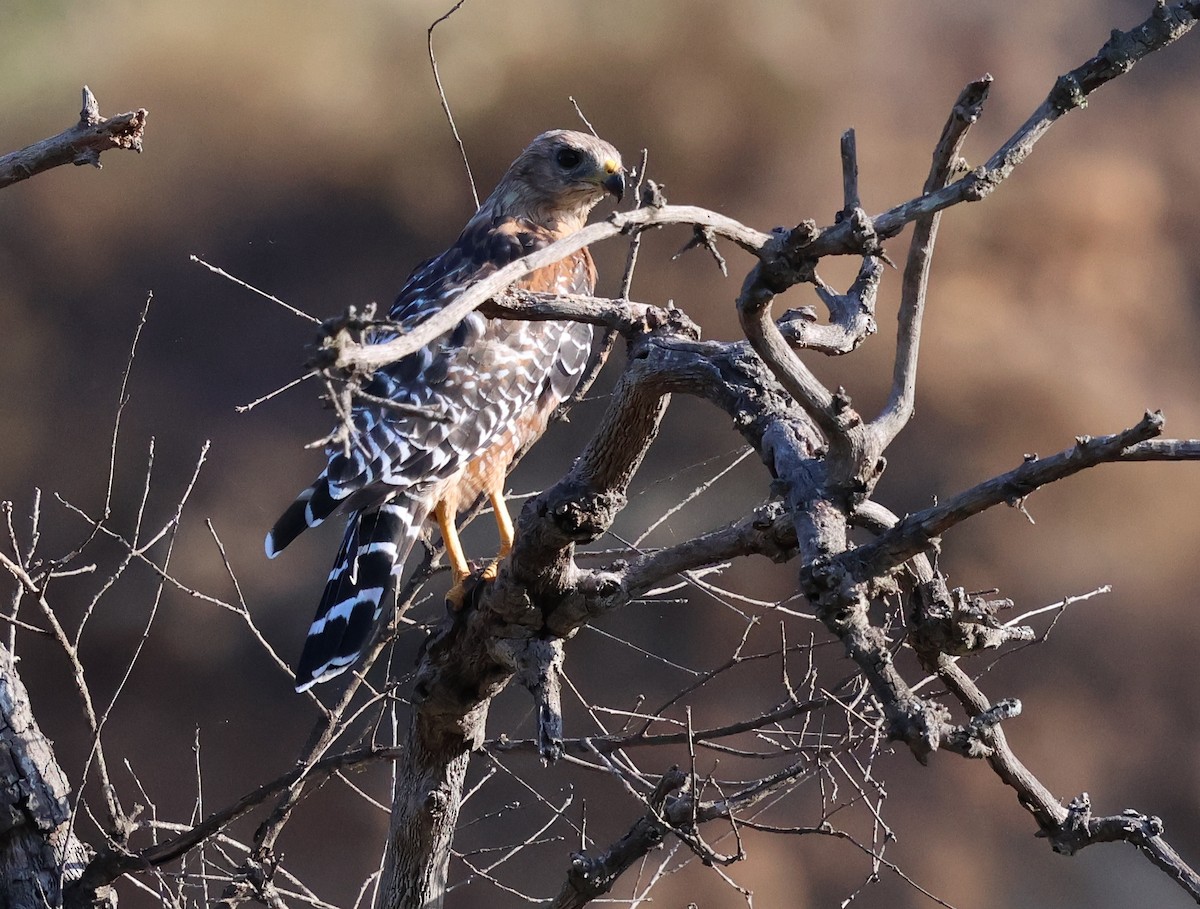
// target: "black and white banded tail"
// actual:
[[310, 509], [370, 559]]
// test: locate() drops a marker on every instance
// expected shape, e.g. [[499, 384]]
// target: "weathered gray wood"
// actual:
[[39, 851], [79, 144]]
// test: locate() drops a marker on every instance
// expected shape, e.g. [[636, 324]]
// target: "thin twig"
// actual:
[[579, 112], [244, 611], [442, 95], [262, 293], [243, 408]]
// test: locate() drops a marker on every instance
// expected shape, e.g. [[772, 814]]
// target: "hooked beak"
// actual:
[[615, 181]]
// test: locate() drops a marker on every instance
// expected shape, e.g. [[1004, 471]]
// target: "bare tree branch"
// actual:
[[899, 408], [342, 351], [1166, 24], [79, 144], [916, 532]]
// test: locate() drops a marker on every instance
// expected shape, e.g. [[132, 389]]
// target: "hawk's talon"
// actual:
[[491, 572], [455, 596], [467, 590]]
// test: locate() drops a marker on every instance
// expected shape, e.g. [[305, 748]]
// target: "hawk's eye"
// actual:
[[568, 158]]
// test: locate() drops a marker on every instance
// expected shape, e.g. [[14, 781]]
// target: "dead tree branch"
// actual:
[[917, 532], [946, 162], [80, 144], [39, 852]]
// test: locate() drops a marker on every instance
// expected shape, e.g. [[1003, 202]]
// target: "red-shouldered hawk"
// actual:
[[489, 385]]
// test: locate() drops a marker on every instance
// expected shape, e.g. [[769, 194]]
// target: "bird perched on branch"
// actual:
[[467, 402]]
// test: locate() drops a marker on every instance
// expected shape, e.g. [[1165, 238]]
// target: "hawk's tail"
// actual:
[[370, 559], [311, 507]]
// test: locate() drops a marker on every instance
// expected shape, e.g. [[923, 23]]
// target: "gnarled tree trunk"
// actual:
[[39, 852]]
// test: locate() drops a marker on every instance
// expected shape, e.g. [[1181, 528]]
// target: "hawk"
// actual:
[[468, 402]]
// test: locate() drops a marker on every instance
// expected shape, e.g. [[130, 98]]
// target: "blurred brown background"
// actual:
[[302, 148]]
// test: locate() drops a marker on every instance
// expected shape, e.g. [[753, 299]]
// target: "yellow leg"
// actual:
[[504, 525], [503, 521], [454, 552]]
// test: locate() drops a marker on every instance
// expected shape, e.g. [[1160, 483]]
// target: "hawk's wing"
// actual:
[[466, 383], [477, 383]]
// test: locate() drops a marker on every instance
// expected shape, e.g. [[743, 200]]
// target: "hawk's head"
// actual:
[[558, 179]]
